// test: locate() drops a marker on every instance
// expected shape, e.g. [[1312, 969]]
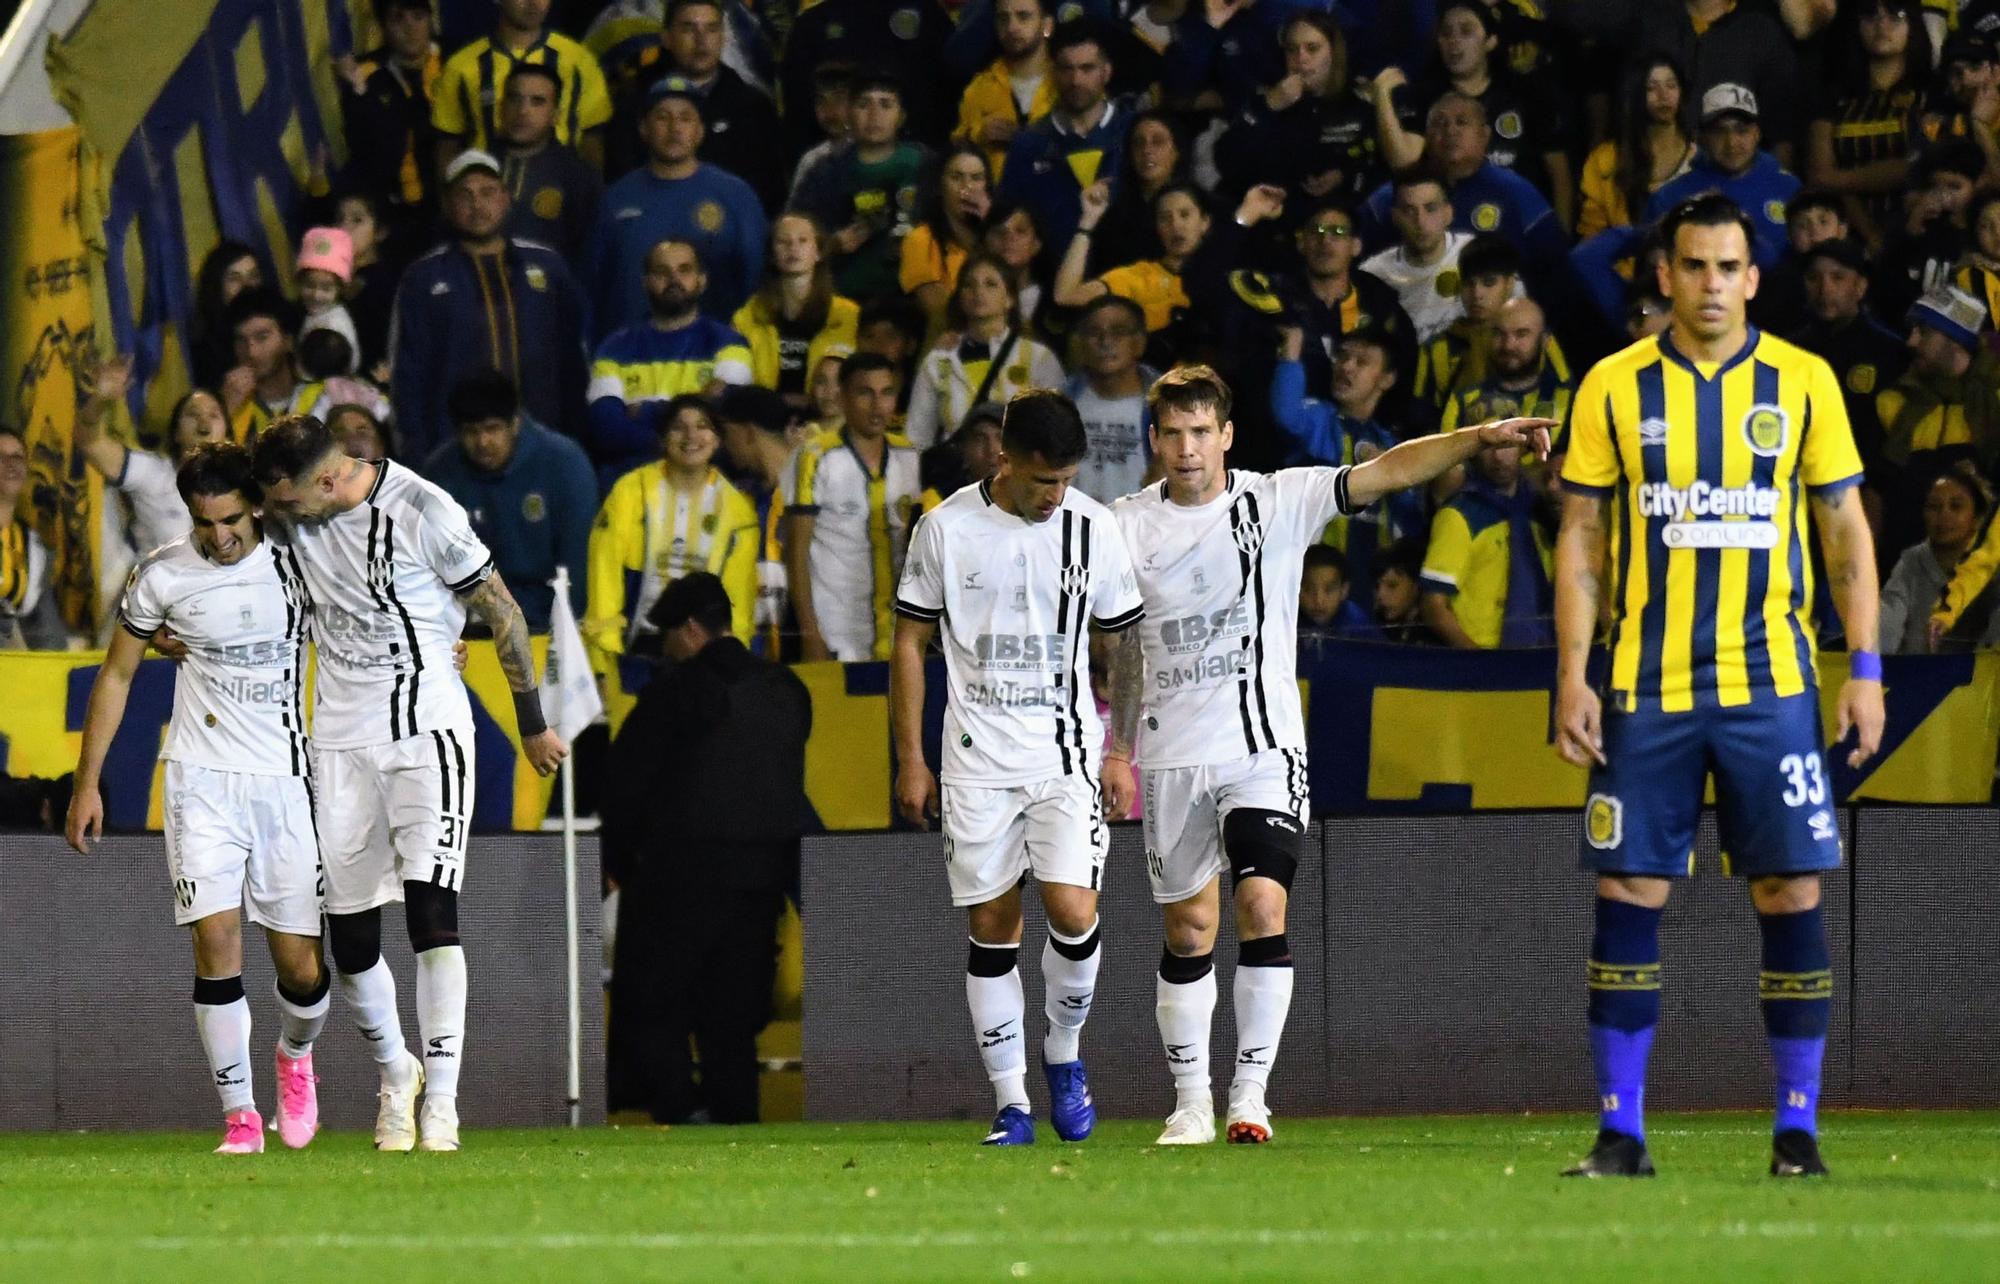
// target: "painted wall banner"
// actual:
[[45, 330], [1389, 730]]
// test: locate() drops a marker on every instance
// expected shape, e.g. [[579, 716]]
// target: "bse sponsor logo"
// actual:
[[268, 654], [1209, 668], [1011, 695], [1193, 632], [1021, 650]]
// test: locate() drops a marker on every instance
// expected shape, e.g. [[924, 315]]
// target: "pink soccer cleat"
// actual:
[[298, 1100], [243, 1133]]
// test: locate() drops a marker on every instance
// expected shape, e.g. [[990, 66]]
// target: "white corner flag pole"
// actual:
[[570, 703]]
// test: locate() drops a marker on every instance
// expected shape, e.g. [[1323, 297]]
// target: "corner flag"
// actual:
[[569, 690]]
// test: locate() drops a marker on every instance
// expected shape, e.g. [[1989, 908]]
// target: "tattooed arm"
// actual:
[[1849, 547], [490, 601], [1126, 665], [1579, 574]]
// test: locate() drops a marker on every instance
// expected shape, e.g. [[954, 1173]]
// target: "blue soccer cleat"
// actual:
[[1011, 1127], [1070, 1108]]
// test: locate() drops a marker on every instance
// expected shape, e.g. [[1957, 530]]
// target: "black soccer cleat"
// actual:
[[1616, 1154], [1795, 1153]]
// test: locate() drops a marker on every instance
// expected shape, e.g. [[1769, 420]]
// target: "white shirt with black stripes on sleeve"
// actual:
[[1221, 586], [1015, 600], [385, 577], [237, 701]]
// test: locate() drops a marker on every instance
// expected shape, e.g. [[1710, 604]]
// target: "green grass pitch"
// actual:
[[1913, 1197]]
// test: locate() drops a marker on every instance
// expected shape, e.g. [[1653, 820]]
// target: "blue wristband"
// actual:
[[1865, 666]]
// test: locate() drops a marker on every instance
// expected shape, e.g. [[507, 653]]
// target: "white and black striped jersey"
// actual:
[[385, 577], [1221, 586], [1016, 597], [237, 702]]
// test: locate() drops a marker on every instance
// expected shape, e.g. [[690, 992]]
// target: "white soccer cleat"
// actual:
[[1249, 1117], [396, 1117], [1189, 1126], [438, 1124]]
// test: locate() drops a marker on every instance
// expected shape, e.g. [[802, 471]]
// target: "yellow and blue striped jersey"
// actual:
[[1547, 398], [648, 534], [1469, 560], [1704, 465], [466, 100]]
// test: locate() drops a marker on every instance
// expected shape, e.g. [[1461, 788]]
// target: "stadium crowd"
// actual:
[[697, 285]]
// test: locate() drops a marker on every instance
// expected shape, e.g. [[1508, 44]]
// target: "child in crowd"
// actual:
[[1325, 610], [1399, 594], [325, 357], [325, 267]]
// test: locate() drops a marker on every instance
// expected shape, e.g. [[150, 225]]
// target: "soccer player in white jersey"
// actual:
[[239, 820], [1016, 568], [1219, 555], [393, 567]]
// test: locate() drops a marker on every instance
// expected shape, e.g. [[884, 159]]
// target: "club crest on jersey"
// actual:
[[1249, 537], [1604, 821], [1766, 429], [1074, 578]]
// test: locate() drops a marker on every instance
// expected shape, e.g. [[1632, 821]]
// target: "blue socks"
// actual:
[[1796, 989], [1624, 1009]]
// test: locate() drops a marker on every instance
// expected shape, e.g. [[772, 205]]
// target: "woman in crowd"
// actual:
[[1014, 238], [1155, 159], [1954, 510], [1651, 150], [1181, 222], [983, 357], [144, 478], [823, 412], [1310, 133], [795, 318], [1859, 143], [371, 290], [955, 204], [360, 432], [230, 269]]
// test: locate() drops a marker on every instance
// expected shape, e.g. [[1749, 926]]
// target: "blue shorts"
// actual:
[[1773, 791]]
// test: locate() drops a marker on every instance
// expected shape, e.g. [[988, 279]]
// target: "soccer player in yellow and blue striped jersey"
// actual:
[[1699, 461]]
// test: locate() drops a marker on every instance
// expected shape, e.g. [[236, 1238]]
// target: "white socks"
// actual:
[[993, 993], [299, 1024], [441, 1017], [222, 1019], [1069, 978], [372, 996], [1263, 994], [1185, 1006]]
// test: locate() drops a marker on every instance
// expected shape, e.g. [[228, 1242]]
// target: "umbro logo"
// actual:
[[1253, 1056], [1652, 432], [437, 1047], [438, 288]]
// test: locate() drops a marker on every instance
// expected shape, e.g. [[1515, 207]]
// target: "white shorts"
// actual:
[[1054, 828], [234, 839], [1185, 808], [393, 814]]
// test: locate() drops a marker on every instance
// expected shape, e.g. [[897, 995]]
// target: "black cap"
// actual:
[[1967, 47], [759, 407], [693, 594], [1841, 250]]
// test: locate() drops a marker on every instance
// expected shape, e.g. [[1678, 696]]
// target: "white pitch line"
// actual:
[[1193, 1237]]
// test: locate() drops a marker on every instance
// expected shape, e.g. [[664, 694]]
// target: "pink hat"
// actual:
[[328, 249]]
